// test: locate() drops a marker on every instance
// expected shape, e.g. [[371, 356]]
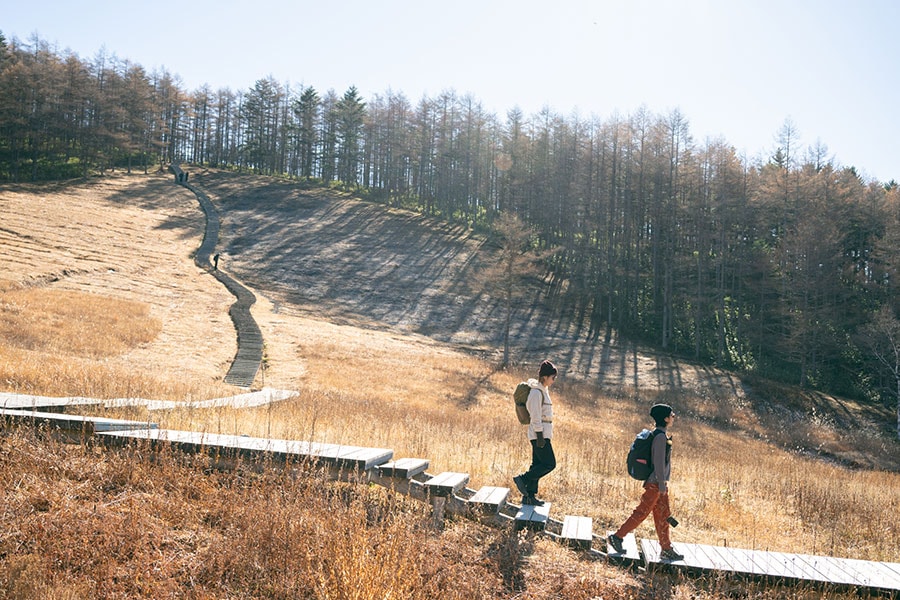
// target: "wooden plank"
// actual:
[[779, 565], [25, 401], [404, 468], [652, 553], [709, 555], [66, 422], [891, 567], [363, 459], [533, 517], [489, 499], [836, 570], [873, 574], [258, 448], [446, 483], [578, 531], [891, 573], [738, 560], [791, 566]]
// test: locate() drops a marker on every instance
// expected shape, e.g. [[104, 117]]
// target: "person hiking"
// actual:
[[655, 498], [540, 430]]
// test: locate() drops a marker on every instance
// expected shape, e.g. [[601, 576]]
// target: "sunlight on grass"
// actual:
[[369, 388], [73, 323], [56, 342], [375, 389]]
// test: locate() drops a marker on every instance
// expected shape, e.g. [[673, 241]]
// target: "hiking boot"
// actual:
[[520, 485], [532, 501], [616, 543], [671, 554]]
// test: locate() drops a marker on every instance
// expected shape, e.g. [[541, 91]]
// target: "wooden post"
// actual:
[[439, 504]]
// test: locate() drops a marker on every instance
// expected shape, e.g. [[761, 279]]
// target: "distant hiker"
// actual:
[[216, 261], [540, 430], [656, 489]]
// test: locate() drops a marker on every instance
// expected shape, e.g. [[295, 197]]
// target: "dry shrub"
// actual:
[[115, 525], [28, 372]]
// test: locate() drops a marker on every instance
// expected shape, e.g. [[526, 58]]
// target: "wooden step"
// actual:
[[489, 500], [578, 532], [404, 468], [446, 484], [533, 517]]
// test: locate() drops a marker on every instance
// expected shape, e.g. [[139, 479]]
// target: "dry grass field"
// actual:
[[99, 296]]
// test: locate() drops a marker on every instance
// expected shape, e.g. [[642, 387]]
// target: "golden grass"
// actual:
[[83, 523], [57, 342], [74, 323], [377, 389]]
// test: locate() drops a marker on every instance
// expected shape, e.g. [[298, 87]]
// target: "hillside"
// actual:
[[329, 256], [319, 255], [759, 466]]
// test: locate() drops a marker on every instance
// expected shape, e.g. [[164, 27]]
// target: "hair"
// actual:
[[660, 412], [547, 369]]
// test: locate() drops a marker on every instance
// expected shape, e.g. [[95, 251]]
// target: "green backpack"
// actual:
[[520, 397]]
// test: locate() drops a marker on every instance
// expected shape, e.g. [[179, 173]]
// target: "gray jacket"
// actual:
[[661, 456]]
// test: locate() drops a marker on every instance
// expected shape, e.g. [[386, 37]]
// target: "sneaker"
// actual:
[[616, 543], [532, 501], [671, 554], [520, 485]]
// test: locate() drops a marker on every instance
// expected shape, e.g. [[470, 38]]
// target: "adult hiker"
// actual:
[[540, 430], [655, 498]]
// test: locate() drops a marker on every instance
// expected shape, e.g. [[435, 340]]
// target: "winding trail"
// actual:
[[248, 357]]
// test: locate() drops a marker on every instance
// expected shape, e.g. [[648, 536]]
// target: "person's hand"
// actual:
[[540, 440]]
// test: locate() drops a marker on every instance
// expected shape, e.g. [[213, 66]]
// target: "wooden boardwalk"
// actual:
[[248, 358], [72, 424], [254, 448], [780, 566], [51, 404], [447, 493]]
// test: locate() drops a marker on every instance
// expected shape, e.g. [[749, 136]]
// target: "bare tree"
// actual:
[[882, 336], [516, 261]]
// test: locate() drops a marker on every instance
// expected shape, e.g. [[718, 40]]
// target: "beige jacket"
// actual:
[[540, 407]]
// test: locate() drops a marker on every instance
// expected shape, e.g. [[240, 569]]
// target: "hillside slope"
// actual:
[[332, 256], [319, 260], [322, 254]]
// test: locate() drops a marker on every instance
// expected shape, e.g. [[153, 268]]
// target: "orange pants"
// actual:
[[658, 504]]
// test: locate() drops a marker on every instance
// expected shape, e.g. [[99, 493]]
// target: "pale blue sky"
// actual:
[[736, 69]]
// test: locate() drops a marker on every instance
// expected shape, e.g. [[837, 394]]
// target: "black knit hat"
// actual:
[[547, 368], [660, 412]]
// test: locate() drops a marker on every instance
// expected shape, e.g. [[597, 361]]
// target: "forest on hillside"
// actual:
[[784, 266]]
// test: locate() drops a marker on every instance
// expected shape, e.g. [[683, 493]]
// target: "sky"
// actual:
[[737, 70]]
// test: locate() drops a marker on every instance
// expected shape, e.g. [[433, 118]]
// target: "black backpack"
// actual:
[[639, 460]]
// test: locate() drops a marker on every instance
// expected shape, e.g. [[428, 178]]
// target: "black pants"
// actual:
[[542, 462]]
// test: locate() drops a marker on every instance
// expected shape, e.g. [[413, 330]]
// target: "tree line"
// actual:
[[784, 265]]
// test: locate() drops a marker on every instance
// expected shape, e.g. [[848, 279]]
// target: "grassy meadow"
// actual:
[[79, 522]]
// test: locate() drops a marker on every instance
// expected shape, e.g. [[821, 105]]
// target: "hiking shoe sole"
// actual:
[[671, 555], [520, 485]]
